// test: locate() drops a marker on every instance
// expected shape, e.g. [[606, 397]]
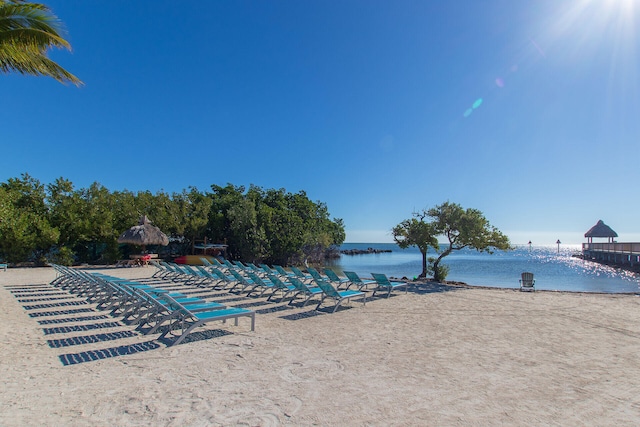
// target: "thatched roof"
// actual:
[[144, 234], [600, 230]]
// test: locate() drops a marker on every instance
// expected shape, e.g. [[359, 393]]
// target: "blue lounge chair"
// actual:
[[334, 278], [189, 320], [385, 285], [302, 289], [259, 284], [283, 272], [281, 286], [328, 291], [355, 280], [315, 274], [300, 275]]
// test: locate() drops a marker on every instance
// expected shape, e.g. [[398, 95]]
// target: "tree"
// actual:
[[463, 228], [416, 232], [27, 32], [25, 231]]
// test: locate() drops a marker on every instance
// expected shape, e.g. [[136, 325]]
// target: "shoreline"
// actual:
[[451, 354]]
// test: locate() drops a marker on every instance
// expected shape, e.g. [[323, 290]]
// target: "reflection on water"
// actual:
[[553, 270]]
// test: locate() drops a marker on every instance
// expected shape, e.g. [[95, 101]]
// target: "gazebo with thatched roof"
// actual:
[[144, 234], [601, 230]]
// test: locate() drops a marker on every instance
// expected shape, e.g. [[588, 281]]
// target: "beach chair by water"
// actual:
[[328, 291], [300, 275], [527, 282], [282, 271], [302, 289], [188, 320], [355, 280], [334, 278], [386, 285], [315, 274], [243, 282], [281, 286], [260, 284]]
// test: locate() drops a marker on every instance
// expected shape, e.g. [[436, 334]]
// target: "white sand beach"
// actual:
[[434, 356]]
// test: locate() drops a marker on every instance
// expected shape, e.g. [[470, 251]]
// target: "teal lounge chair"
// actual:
[[300, 275], [335, 279], [188, 320], [283, 272], [259, 284], [315, 274], [385, 285], [328, 291], [355, 280], [304, 290], [227, 280], [281, 286], [242, 282]]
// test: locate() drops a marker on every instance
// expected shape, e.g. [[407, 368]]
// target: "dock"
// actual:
[[622, 254]]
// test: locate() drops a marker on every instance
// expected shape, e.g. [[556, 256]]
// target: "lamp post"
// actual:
[[558, 243]]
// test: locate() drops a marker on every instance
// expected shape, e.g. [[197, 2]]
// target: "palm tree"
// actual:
[[27, 31]]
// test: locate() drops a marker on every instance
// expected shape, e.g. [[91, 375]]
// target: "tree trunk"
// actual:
[[424, 265], [436, 271]]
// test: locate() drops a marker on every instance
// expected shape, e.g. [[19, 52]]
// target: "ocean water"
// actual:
[[553, 269]]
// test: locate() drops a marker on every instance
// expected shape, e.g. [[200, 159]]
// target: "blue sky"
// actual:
[[526, 110]]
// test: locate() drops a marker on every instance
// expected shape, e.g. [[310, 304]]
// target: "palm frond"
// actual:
[[27, 32]]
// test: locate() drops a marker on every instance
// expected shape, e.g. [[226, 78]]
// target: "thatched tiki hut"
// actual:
[[144, 234], [600, 230]]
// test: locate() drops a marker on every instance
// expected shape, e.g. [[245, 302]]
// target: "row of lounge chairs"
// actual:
[[293, 283], [152, 308]]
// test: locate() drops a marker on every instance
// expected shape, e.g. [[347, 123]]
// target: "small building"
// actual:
[[601, 230], [611, 252]]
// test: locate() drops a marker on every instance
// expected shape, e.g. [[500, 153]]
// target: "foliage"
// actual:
[[27, 31], [416, 232], [463, 228], [58, 223], [25, 231]]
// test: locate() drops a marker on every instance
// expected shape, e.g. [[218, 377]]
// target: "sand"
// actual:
[[436, 355]]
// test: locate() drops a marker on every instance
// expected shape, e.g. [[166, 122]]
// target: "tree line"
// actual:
[[58, 223]]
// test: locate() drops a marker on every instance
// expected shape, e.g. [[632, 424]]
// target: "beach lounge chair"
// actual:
[[281, 286], [386, 285], [355, 280], [283, 272], [527, 282], [242, 282], [259, 284], [266, 269], [315, 274], [300, 275], [334, 278], [223, 278], [188, 320], [328, 291], [302, 289]]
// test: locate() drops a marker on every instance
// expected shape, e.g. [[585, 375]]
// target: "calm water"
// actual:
[[552, 270]]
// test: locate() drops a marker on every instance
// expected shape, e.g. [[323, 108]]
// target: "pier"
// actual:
[[622, 254]]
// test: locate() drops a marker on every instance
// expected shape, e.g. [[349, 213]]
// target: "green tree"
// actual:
[[25, 231], [27, 31], [416, 232], [463, 228]]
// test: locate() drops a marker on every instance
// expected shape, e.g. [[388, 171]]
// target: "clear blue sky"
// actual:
[[526, 110]]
